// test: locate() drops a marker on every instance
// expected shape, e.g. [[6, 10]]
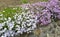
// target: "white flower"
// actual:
[[9, 19], [23, 24], [10, 25], [15, 16], [28, 29], [9, 33], [3, 11], [19, 32], [29, 24], [3, 30], [18, 22], [33, 26], [5, 18], [14, 8], [22, 13], [27, 20], [26, 8], [17, 27], [2, 36], [22, 29], [1, 25], [19, 17]]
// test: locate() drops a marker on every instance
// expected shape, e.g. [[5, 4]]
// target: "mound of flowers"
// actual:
[[14, 21]]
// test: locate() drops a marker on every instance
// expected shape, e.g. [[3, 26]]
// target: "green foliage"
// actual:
[[10, 12], [24, 1]]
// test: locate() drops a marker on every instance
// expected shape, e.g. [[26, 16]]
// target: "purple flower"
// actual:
[[56, 10]]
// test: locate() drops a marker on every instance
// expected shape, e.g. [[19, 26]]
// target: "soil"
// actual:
[[6, 3]]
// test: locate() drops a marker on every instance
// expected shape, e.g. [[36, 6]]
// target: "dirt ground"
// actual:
[[14, 2], [6, 3]]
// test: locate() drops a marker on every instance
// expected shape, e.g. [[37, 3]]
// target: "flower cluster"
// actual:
[[27, 20], [54, 7], [47, 10], [23, 22]]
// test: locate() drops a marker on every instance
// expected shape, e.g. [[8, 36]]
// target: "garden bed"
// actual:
[[38, 19]]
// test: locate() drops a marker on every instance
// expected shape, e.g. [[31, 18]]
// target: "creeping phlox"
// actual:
[[23, 22], [27, 20]]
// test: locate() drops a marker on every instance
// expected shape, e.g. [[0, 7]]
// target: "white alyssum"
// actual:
[[8, 33], [1, 25], [23, 22], [10, 25]]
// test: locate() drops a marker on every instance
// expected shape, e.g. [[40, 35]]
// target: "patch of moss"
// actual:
[[10, 11], [24, 1]]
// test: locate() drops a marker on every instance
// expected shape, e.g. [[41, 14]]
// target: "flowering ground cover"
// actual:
[[29, 17]]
